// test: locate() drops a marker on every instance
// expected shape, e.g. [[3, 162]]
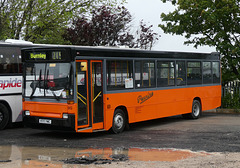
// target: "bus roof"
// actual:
[[14, 41], [125, 52], [139, 53]]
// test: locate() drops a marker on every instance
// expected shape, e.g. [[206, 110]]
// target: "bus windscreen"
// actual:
[[51, 80]]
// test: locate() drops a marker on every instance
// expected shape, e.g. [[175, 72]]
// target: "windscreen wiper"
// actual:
[[38, 84], [56, 97]]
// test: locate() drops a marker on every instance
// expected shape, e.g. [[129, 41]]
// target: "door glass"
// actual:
[[82, 93], [97, 99]]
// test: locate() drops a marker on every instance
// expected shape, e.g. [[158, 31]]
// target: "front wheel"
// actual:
[[4, 116], [196, 111], [119, 121]]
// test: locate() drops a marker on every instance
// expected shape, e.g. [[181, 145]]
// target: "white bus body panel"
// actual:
[[11, 93]]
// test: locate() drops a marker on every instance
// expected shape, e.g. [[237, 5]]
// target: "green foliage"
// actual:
[[46, 21], [41, 21], [209, 22], [231, 101]]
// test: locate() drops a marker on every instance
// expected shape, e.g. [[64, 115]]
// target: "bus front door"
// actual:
[[89, 95]]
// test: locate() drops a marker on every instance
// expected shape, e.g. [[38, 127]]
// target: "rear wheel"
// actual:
[[196, 111], [119, 121], [4, 116]]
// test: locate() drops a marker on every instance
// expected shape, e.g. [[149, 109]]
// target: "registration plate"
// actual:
[[45, 121]]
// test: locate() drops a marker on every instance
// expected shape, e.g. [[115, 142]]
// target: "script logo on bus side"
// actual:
[[142, 99], [10, 83]]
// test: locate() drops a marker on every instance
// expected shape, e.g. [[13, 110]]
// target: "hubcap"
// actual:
[[118, 121], [196, 109]]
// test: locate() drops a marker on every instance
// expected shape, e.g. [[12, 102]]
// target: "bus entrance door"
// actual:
[[89, 95]]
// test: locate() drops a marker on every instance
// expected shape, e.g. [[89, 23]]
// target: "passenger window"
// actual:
[[216, 72], [181, 73], [194, 75], [207, 74], [10, 60], [165, 74], [145, 74], [119, 74]]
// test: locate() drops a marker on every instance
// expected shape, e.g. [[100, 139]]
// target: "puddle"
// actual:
[[138, 154], [15, 156]]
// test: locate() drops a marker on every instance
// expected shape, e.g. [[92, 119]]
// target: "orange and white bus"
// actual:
[[88, 89]]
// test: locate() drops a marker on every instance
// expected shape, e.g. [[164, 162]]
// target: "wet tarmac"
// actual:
[[167, 143], [25, 157]]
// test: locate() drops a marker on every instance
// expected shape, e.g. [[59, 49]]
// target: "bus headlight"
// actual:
[[27, 113], [65, 116]]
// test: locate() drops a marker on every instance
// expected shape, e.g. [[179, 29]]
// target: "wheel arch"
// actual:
[[8, 107], [124, 109], [9, 110], [200, 101], [191, 115]]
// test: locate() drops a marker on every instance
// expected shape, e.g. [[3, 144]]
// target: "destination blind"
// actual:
[[48, 55]]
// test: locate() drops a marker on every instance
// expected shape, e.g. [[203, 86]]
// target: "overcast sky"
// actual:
[[149, 11]]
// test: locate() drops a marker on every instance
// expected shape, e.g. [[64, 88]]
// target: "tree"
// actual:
[[109, 26], [41, 21], [8, 10], [209, 22], [146, 37]]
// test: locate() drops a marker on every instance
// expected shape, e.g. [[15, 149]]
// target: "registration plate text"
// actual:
[[45, 121]]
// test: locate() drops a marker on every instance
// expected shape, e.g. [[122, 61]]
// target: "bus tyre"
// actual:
[[4, 116], [196, 111], [119, 121]]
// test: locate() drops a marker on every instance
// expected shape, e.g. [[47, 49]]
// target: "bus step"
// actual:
[[89, 129], [99, 130]]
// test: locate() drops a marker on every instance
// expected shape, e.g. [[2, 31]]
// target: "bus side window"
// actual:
[[20, 68], [145, 74], [9, 60], [119, 74], [181, 73], [216, 72], [12, 68], [207, 74], [2, 61], [194, 74], [165, 73]]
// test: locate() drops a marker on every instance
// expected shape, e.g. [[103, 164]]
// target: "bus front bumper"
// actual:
[[50, 123]]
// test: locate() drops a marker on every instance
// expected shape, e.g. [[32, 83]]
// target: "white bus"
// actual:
[[11, 81]]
